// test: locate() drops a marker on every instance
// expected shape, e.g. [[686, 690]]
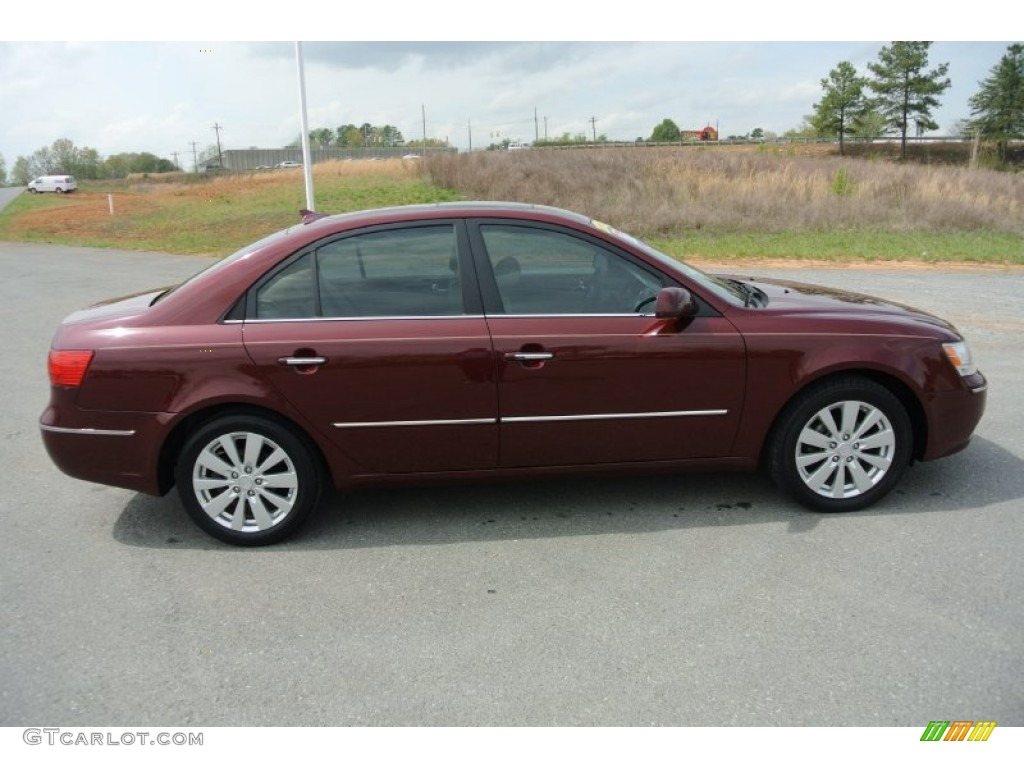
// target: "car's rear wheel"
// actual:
[[59, 191], [841, 445], [247, 479]]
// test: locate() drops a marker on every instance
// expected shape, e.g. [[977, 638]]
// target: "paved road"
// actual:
[[7, 194], [690, 600]]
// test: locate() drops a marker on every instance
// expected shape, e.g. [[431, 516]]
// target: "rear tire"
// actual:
[[248, 480], [59, 191], [841, 445]]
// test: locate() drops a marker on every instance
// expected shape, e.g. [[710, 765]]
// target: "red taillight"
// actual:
[[68, 366]]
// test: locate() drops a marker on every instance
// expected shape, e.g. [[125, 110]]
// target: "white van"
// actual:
[[58, 184]]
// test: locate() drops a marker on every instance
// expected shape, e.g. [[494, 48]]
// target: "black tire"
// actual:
[[59, 191], [841, 445], [32, 190], [248, 480]]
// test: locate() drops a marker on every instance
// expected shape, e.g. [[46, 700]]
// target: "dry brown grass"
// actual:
[[670, 191]]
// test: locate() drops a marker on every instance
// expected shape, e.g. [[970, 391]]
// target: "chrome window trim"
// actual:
[[425, 317], [355, 319], [88, 431]]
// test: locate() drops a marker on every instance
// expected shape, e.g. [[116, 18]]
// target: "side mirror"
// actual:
[[675, 303]]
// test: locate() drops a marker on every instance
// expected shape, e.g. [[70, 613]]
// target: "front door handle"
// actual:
[[529, 357], [302, 361]]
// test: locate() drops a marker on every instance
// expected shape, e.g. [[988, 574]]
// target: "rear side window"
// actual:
[[289, 293], [407, 272], [394, 273]]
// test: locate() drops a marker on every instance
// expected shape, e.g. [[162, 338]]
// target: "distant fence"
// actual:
[[250, 159]]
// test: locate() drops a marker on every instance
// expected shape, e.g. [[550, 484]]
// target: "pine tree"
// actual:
[[842, 103], [906, 91], [999, 106]]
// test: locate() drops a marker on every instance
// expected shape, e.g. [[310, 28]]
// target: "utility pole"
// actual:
[[545, 127], [175, 156], [307, 159], [195, 159], [423, 109], [220, 157], [469, 125], [536, 126], [593, 126]]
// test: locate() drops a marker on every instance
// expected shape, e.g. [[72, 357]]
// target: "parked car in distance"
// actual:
[[58, 184], [468, 341], [289, 164]]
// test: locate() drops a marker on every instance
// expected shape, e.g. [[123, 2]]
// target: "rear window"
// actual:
[[251, 248]]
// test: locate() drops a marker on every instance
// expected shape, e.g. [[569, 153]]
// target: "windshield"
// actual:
[[727, 290], [251, 248]]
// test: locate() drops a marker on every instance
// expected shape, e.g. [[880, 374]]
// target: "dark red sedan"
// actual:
[[491, 340]]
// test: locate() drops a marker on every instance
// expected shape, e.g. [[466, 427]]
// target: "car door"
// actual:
[[586, 374], [378, 339]]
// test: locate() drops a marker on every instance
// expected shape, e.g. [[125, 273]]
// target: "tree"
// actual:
[[906, 92], [961, 129], [870, 124], [88, 164], [65, 156], [21, 172], [843, 102], [666, 130], [41, 162], [3, 171], [805, 130], [998, 106], [321, 137], [757, 134]]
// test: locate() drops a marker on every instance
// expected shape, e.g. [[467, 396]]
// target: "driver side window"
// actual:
[[543, 272]]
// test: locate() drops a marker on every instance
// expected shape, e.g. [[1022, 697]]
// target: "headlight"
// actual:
[[960, 356]]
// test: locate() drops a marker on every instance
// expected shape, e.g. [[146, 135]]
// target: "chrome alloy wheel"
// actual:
[[245, 482], [845, 449]]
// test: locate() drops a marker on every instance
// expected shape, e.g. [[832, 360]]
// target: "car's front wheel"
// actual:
[[247, 479], [842, 445]]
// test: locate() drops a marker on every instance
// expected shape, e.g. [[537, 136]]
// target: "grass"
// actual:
[[713, 204], [975, 247], [215, 217]]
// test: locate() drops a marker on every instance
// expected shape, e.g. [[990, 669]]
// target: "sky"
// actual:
[[114, 88]]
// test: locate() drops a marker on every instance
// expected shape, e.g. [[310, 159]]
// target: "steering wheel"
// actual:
[[644, 301]]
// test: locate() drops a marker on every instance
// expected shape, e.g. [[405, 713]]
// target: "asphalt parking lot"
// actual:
[[685, 600]]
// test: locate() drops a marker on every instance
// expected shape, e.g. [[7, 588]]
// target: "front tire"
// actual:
[[841, 445], [248, 480]]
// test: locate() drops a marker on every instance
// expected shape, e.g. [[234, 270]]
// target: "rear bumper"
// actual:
[[107, 447]]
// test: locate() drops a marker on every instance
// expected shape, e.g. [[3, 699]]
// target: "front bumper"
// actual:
[[953, 417]]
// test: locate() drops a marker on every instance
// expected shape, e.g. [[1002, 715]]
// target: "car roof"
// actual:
[[460, 209]]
